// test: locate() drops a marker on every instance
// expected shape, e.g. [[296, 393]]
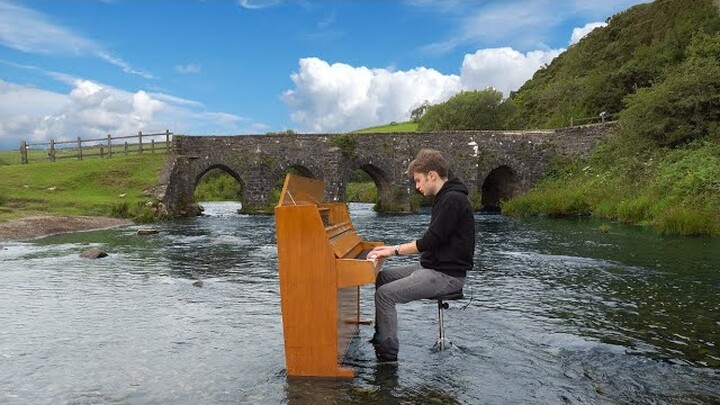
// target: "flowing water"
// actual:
[[557, 312]]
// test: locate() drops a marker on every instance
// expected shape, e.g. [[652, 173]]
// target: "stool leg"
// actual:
[[441, 343]]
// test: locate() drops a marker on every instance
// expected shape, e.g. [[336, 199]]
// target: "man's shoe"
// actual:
[[383, 358], [386, 359]]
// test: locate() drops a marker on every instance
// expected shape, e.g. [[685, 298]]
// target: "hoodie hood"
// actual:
[[453, 184]]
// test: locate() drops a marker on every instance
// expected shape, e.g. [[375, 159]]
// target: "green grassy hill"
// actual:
[[657, 67], [637, 49]]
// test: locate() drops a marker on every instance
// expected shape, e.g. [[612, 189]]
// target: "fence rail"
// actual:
[[101, 147], [601, 118]]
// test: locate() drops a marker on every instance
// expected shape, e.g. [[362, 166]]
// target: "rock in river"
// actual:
[[93, 253]]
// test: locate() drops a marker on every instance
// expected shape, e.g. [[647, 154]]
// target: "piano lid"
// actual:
[[299, 190]]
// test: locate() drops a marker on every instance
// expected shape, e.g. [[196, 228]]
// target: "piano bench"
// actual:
[[442, 343]]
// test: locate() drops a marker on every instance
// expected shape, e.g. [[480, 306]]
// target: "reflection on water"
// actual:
[[557, 312]]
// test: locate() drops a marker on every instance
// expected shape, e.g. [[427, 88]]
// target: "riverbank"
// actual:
[[46, 225]]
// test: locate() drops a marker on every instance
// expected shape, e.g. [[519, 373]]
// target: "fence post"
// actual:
[[23, 152], [167, 141], [52, 150], [152, 146], [79, 152], [126, 152], [102, 154], [109, 146], [140, 142]]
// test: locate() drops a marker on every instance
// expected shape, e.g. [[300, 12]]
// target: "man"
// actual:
[[446, 251]]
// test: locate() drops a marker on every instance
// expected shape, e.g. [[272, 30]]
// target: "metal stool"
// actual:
[[443, 343]]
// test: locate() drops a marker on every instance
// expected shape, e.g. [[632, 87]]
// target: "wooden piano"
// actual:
[[322, 263]]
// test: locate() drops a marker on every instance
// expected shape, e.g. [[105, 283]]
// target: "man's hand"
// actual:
[[381, 252]]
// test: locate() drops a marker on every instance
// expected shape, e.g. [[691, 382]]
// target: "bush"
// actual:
[[480, 109], [3, 199], [218, 185], [361, 192], [685, 106]]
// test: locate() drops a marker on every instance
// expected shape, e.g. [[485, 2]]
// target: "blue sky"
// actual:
[[89, 68]]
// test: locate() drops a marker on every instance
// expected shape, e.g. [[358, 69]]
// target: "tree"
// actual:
[[686, 105], [478, 109], [418, 112]]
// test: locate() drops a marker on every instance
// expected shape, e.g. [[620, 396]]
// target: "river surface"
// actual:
[[557, 312]]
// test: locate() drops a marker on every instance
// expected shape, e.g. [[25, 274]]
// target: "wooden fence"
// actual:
[[602, 117], [100, 147]]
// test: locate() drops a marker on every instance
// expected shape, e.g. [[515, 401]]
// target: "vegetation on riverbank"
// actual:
[[116, 187]]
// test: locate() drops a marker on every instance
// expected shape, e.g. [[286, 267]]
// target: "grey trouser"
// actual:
[[400, 285]]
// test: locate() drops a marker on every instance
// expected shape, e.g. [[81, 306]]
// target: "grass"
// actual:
[[408, 126], [119, 186], [675, 190]]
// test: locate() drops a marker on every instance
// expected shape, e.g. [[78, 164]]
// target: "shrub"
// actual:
[[345, 143], [480, 109], [685, 106], [361, 192]]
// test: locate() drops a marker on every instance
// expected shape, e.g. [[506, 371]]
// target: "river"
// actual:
[[557, 312]]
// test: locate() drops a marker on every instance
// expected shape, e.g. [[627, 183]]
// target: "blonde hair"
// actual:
[[428, 160]]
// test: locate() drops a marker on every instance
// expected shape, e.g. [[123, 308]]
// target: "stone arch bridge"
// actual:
[[495, 165]]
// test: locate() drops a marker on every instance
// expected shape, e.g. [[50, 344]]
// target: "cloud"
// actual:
[[339, 97], [504, 69], [190, 68], [523, 24], [257, 4], [579, 33], [29, 31], [92, 109]]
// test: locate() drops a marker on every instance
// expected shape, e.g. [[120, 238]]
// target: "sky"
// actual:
[[97, 67]]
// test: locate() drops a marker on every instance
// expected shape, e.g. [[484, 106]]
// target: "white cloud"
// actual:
[[93, 110], [190, 68], [579, 33], [340, 97], [504, 69], [29, 31], [257, 4], [522, 24]]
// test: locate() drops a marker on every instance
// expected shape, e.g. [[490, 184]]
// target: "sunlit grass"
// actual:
[[78, 187]]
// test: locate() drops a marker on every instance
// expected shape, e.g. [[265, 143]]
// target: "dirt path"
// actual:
[[35, 227]]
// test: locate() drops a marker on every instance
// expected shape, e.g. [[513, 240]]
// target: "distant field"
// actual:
[[408, 126], [109, 187]]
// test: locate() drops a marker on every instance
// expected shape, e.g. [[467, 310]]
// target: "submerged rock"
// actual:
[[198, 283], [148, 231], [93, 253]]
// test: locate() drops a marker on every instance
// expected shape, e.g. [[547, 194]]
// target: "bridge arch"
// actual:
[[501, 184]]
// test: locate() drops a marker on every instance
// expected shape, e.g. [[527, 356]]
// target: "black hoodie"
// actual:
[[448, 245]]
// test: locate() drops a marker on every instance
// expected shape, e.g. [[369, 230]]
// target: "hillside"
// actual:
[[656, 67], [638, 48]]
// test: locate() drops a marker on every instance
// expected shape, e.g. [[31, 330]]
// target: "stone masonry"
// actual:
[[495, 165]]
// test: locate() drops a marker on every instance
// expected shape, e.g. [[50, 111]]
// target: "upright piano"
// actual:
[[322, 262]]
